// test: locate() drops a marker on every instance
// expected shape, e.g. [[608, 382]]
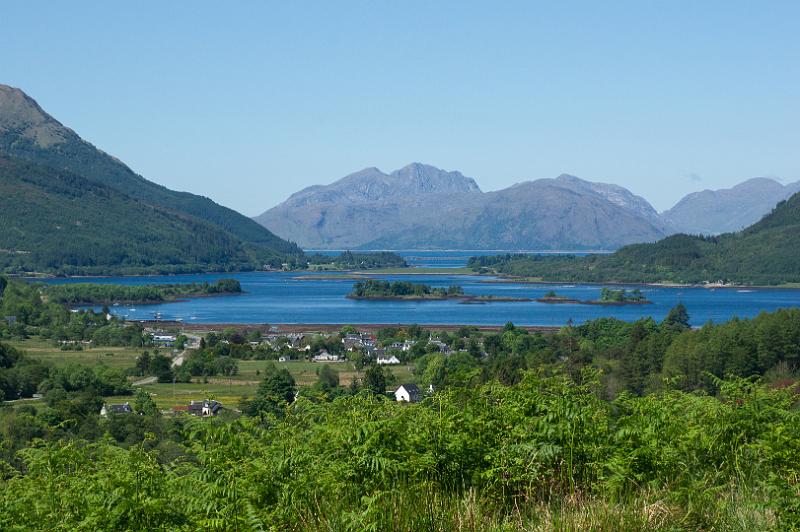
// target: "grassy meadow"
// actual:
[[228, 390]]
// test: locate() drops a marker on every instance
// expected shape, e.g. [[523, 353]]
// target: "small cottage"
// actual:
[[408, 393]]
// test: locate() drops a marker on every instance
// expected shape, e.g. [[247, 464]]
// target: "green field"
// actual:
[[168, 395], [227, 390], [47, 351], [230, 390]]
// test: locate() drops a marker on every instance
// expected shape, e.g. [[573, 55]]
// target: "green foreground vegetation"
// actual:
[[607, 425], [763, 254]]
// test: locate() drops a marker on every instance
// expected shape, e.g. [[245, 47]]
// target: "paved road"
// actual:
[[145, 382]]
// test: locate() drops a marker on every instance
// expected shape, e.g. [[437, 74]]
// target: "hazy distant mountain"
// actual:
[[372, 185], [726, 210], [365, 205], [763, 253], [60, 157], [421, 206]]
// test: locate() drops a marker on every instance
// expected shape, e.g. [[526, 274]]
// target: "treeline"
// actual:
[[22, 377], [378, 288], [97, 294], [25, 312], [349, 260]]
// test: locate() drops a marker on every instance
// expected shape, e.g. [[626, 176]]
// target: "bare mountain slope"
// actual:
[[420, 206], [712, 212]]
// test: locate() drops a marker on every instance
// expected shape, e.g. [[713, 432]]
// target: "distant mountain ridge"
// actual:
[[764, 253], [370, 184], [726, 210], [421, 206], [28, 133]]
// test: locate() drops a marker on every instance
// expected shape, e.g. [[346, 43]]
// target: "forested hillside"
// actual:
[[764, 253], [59, 222], [27, 132]]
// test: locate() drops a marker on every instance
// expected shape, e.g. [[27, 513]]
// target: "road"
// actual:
[[177, 360]]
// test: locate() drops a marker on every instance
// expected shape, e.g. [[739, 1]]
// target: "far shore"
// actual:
[[464, 298], [127, 303], [361, 274], [286, 328], [507, 279]]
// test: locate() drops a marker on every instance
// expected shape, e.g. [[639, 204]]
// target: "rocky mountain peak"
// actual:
[[21, 116]]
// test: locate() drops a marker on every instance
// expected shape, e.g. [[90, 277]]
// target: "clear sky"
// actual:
[[247, 102]]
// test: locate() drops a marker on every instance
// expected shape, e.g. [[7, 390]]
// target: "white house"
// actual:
[[408, 393], [324, 356], [387, 361], [164, 339]]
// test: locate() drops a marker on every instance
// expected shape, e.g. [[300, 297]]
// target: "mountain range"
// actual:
[[68, 207], [764, 253], [421, 206], [712, 212]]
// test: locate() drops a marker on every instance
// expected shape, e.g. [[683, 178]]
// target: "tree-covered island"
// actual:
[[376, 289], [608, 296], [402, 290], [106, 294], [613, 297]]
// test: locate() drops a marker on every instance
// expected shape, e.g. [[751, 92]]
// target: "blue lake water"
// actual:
[[292, 297], [455, 258]]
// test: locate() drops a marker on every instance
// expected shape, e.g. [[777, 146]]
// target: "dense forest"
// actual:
[[763, 254], [58, 222], [102, 294], [605, 425]]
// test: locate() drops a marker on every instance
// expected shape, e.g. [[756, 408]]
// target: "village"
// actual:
[[390, 349]]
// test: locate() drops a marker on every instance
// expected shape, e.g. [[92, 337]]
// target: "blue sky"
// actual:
[[247, 102]]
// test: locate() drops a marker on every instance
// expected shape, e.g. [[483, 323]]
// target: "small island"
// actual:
[[608, 297], [552, 298], [108, 294], [619, 297], [376, 289]]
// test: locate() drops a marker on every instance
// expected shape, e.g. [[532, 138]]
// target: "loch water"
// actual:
[[308, 297]]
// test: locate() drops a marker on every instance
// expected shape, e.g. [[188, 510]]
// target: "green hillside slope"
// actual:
[[59, 222], [767, 252], [28, 132]]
